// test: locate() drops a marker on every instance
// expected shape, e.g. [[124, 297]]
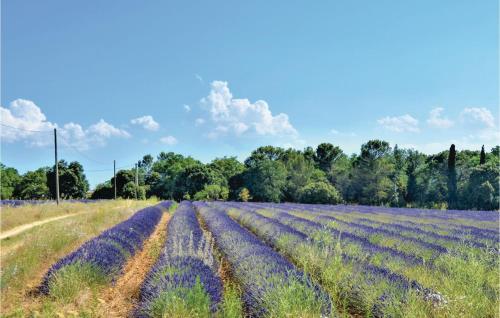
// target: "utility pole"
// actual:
[[114, 176], [57, 166], [136, 180]]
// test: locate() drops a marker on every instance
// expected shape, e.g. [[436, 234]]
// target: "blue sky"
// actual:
[[120, 79]]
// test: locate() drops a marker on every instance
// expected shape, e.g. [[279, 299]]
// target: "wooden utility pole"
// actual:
[[114, 176], [56, 166], [136, 180]]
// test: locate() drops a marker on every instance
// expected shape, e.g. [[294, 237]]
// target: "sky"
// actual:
[[121, 79]]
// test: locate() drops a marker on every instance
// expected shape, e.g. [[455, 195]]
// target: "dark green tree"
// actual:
[[265, 153], [319, 192], [194, 178], [33, 186], [326, 154], [73, 183], [452, 178], [266, 180], [166, 170], [482, 156], [414, 161], [103, 191], [9, 178], [122, 178]]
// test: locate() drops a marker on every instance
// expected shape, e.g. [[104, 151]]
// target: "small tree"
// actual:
[[482, 157], [212, 192], [130, 190], [452, 178], [319, 192], [244, 195]]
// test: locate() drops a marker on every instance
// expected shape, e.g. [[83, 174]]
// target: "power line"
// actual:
[[23, 129], [67, 144]]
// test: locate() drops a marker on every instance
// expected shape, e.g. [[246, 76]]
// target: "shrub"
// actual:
[[212, 192], [319, 192]]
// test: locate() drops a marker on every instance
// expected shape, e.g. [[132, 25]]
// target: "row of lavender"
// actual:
[[185, 269], [108, 252], [410, 258], [272, 286]]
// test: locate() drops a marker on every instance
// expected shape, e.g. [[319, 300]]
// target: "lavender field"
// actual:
[[235, 259]]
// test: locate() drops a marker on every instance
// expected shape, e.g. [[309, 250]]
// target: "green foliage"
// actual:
[[73, 183], [244, 195], [194, 178], [319, 192], [300, 172], [9, 177], [130, 191], [103, 191], [231, 306], [33, 186], [266, 180], [74, 279], [326, 154], [481, 191], [452, 178], [212, 192], [379, 175], [182, 302]]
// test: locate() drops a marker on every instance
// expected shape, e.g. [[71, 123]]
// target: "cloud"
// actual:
[[31, 126], [199, 121], [435, 119], [400, 123], [187, 108], [240, 116], [339, 133], [199, 78], [168, 140], [147, 122], [477, 114]]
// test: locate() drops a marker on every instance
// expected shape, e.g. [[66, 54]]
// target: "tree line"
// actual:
[[378, 175]]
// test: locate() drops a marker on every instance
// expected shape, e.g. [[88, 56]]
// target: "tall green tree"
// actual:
[[452, 178], [73, 183], [482, 157], [9, 179], [266, 180], [33, 186], [194, 178], [326, 154], [415, 162], [300, 172]]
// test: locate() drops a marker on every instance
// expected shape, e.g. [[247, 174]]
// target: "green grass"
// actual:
[[71, 280], [181, 302], [292, 298], [231, 306], [27, 257]]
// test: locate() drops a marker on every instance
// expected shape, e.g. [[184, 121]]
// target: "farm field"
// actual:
[[234, 259]]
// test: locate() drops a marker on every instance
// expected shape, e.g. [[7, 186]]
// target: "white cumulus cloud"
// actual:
[[168, 140], [187, 108], [400, 123], [239, 116], [199, 121], [436, 120], [24, 121], [147, 122], [478, 114]]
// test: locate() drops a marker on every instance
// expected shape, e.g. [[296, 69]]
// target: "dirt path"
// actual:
[[120, 299], [20, 229]]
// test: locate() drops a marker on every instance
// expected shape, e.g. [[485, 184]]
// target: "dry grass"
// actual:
[[28, 256], [11, 217], [120, 299]]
